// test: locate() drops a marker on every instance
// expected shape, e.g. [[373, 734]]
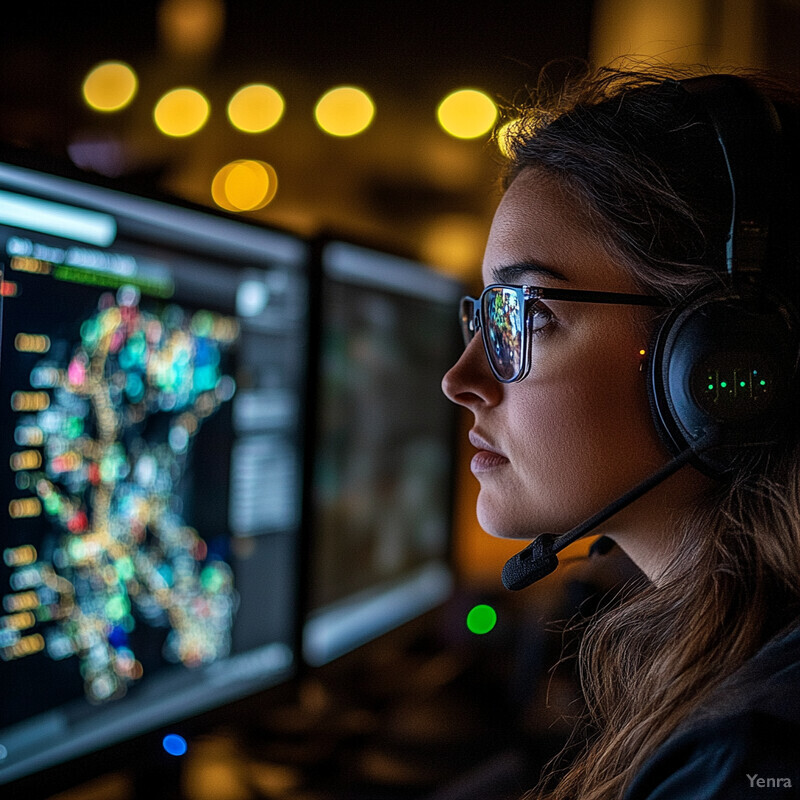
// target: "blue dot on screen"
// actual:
[[175, 745]]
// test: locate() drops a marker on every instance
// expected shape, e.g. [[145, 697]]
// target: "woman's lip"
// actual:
[[484, 461], [478, 442], [487, 457]]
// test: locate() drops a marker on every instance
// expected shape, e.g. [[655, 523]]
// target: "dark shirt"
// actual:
[[743, 743]]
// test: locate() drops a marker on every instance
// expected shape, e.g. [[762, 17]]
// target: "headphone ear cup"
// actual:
[[720, 378]]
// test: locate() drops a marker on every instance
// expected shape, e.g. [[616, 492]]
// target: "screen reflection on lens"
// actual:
[[503, 314]]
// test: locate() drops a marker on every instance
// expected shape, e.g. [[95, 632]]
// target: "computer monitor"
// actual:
[[152, 376], [383, 477]]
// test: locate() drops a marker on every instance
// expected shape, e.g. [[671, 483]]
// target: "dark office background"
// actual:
[[403, 182]]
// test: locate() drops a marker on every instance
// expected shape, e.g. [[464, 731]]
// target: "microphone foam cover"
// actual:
[[531, 564]]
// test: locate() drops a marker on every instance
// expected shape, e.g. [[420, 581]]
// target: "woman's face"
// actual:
[[576, 433]]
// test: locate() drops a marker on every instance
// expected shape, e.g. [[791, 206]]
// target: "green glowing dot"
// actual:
[[724, 384], [710, 386], [481, 619], [211, 580], [125, 568], [74, 427], [52, 504], [76, 549], [763, 383], [742, 384], [116, 607]]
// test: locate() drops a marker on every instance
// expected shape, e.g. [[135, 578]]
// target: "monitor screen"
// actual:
[[384, 444], [152, 377]]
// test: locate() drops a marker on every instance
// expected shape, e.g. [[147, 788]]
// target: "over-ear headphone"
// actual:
[[723, 364]]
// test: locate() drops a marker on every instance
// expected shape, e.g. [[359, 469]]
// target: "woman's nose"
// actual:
[[469, 382]]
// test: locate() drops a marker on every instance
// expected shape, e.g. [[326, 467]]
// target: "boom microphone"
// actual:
[[539, 558]]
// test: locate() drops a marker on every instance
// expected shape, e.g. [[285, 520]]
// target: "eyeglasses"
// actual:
[[510, 316]]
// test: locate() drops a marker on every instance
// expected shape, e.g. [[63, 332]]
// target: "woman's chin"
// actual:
[[503, 526]]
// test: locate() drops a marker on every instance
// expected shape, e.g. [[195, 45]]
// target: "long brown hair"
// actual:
[[646, 171]]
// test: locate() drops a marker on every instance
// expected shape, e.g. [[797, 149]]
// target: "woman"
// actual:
[[621, 185]]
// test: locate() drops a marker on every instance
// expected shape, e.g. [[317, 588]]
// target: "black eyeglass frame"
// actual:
[[471, 315]]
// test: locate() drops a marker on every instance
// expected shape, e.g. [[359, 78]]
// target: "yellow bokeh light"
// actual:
[[344, 111], [454, 243], [244, 185], [181, 112], [110, 86], [467, 113], [255, 108], [191, 27]]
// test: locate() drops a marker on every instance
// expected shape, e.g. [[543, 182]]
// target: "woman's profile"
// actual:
[[640, 309]]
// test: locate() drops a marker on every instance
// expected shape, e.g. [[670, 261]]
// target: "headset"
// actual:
[[722, 367]]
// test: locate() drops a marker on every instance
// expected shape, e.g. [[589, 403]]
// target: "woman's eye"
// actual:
[[540, 317]]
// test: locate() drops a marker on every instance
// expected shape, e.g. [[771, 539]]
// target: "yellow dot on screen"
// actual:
[[467, 113], [181, 112], [110, 86], [344, 111], [244, 185], [255, 108], [481, 619]]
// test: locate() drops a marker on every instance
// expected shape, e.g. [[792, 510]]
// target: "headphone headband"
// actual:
[[749, 131]]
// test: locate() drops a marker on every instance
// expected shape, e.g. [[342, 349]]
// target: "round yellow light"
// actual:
[[344, 111], [181, 112], [255, 108], [244, 185], [467, 113], [110, 86]]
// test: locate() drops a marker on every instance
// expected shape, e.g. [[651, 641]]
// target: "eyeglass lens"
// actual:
[[502, 312]]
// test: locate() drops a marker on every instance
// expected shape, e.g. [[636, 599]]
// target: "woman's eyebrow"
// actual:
[[511, 273]]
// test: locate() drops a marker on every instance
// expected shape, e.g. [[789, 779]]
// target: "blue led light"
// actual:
[[175, 745]]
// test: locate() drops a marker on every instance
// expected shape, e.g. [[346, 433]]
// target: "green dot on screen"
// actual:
[[481, 619], [723, 384], [763, 383]]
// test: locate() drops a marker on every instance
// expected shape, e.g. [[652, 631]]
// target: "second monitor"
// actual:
[[383, 447]]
